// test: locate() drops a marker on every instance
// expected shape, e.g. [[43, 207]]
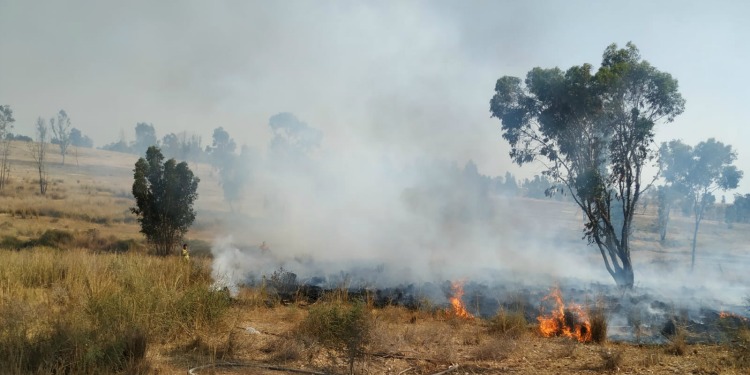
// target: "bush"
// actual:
[[598, 326], [339, 326], [611, 359], [512, 323], [677, 342], [54, 238]]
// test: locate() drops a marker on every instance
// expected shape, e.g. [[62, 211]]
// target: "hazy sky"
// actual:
[[400, 77]]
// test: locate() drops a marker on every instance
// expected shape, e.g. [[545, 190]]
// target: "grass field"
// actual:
[[80, 293]]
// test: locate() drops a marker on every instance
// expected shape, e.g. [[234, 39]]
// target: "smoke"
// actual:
[[365, 216], [387, 218]]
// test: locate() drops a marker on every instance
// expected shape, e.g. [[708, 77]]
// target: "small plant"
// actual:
[[340, 327], [651, 359], [677, 342], [567, 349], [495, 349], [611, 359], [635, 319], [511, 323], [598, 326]]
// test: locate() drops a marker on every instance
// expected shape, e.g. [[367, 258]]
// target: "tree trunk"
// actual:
[[624, 277], [695, 239]]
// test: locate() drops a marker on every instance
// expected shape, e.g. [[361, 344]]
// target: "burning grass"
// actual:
[[458, 309], [561, 321]]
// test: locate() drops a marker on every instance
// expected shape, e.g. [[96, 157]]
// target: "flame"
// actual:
[[725, 315], [458, 309], [569, 321]]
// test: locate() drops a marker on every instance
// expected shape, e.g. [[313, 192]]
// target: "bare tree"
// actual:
[[6, 125], [61, 131], [38, 151]]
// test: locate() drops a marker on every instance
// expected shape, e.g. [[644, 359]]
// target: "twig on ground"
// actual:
[[193, 370]]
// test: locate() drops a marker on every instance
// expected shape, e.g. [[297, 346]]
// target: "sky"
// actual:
[[400, 77], [387, 83]]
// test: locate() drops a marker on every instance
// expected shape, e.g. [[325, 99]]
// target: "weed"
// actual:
[[677, 342], [511, 323], [495, 349], [611, 359], [598, 322], [345, 327], [566, 349], [651, 359]]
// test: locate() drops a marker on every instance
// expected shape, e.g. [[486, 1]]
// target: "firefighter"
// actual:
[[185, 252]]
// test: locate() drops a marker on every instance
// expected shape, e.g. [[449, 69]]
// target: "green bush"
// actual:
[[54, 238]]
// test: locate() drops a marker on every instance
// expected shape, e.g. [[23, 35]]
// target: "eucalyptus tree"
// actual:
[[593, 131], [61, 131], [6, 128], [700, 171], [164, 192]]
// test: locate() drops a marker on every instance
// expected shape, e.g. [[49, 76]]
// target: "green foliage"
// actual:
[[164, 194], [594, 132], [345, 327], [739, 211]]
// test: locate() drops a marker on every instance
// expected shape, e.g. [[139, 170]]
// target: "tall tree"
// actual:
[[593, 132], [293, 140], [700, 171], [38, 151], [6, 136], [222, 148], [77, 139], [666, 197], [739, 210], [145, 137], [164, 193], [61, 131]]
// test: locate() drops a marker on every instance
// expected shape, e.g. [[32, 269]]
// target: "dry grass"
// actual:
[[677, 342], [598, 322], [97, 313], [510, 323], [611, 359], [67, 309]]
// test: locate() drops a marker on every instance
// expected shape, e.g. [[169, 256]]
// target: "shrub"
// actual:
[[677, 342], [339, 326], [512, 323], [611, 359], [598, 326], [54, 238]]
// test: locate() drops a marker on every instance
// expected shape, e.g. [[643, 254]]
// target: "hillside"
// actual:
[[81, 294]]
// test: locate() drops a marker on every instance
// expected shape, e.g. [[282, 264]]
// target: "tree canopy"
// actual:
[[699, 171], [61, 131], [164, 193], [593, 131]]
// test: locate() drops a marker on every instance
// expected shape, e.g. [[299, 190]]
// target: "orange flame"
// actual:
[[570, 322], [725, 315], [458, 308]]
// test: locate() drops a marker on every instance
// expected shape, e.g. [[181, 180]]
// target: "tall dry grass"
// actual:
[[79, 312]]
